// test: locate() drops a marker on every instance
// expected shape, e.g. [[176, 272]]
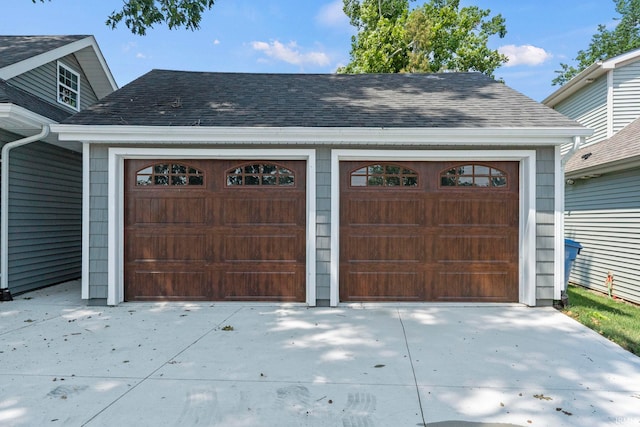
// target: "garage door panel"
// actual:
[[386, 248], [275, 210], [186, 209], [475, 248], [387, 212], [475, 212], [263, 248], [174, 247], [495, 286], [153, 285], [383, 286], [259, 285]]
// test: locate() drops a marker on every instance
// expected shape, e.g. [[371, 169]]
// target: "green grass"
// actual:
[[614, 319]]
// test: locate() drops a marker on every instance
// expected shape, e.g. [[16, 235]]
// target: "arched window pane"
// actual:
[[384, 175], [174, 174], [473, 175], [261, 174]]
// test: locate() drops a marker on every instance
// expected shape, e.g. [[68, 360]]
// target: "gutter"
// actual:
[[5, 294]]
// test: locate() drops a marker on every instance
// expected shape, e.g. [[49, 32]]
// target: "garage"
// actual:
[[214, 230], [429, 231]]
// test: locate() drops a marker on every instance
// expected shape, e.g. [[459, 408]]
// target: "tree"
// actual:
[[380, 45], [606, 43], [140, 15], [439, 36]]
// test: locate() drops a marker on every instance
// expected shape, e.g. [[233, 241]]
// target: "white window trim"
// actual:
[[527, 194], [58, 84], [116, 159]]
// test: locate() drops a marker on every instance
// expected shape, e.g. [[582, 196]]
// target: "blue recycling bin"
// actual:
[[571, 251]]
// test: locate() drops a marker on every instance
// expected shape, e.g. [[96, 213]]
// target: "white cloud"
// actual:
[[332, 15], [141, 55], [524, 55], [216, 42], [290, 53]]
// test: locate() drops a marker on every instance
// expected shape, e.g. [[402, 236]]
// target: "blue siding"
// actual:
[[43, 82], [45, 216], [603, 214]]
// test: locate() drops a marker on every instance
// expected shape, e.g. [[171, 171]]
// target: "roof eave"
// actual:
[[102, 83], [601, 169], [587, 76], [21, 121], [320, 135]]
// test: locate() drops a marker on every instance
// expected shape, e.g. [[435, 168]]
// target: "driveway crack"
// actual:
[[160, 367], [413, 370]]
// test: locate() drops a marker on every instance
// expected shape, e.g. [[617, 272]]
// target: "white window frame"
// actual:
[[60, 84]]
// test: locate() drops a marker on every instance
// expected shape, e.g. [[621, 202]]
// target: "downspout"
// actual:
[[577, 141], [5, 294]]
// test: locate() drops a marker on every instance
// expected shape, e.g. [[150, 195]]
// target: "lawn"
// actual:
[[614, 319]]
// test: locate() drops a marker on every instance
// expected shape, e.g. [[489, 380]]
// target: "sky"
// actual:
[[306, 36]]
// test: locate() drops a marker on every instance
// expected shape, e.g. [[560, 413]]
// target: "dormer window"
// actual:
[[68, 87]]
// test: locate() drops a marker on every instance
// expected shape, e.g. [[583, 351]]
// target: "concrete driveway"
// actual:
[[187, 364]]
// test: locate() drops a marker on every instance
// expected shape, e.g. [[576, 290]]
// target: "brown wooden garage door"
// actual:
[[429, 231], [215, 230]]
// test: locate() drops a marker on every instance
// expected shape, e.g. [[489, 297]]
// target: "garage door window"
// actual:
[[473, 175], [384, 175], [169, 174], [265, 174]]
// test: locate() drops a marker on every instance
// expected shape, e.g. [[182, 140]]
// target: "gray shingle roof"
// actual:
[[624, 145], [13, 95], [14, 49], [178, 98]]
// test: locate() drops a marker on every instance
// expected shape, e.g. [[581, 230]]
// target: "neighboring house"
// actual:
[[43, 80], [602, 196], [321, 189]]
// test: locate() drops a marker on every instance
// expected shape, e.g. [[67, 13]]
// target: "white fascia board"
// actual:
[[575, 84], [104, 64], [593, 71], [620, 60], [315, 136], [22, 67], [15, 117]]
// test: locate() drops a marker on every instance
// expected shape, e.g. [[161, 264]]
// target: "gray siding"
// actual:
[[98, 222], [603, 214], [545, 225], [98, 280], [323, 223], [45, 216], [43, 81], [626, 91], [589, 108], [6, 136]]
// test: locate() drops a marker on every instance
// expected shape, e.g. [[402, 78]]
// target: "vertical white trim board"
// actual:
[[86, 212]]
